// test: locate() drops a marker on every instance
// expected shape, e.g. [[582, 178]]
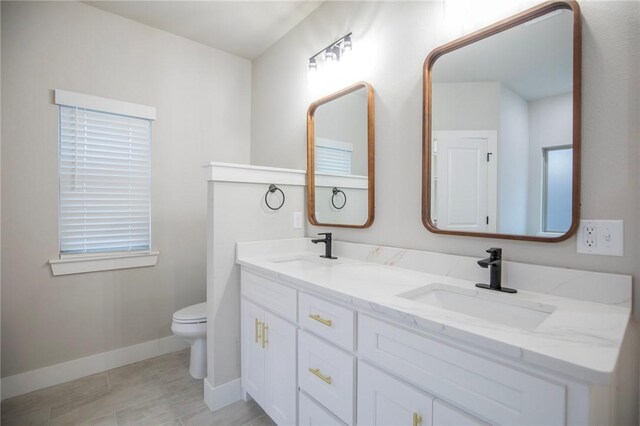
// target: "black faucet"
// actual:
[[327, 247], [494, 263]]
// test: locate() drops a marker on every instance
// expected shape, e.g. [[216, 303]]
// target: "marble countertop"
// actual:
[[579, 338]]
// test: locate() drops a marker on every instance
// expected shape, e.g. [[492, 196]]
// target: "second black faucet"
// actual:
[[494, 263], [327, 247]]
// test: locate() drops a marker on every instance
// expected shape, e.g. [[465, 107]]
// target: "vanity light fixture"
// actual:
[[332, 52]]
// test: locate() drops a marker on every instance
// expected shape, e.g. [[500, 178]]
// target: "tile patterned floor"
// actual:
[[156, 391]]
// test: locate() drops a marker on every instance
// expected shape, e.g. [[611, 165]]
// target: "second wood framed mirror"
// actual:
[[340, 158], [501, 129]]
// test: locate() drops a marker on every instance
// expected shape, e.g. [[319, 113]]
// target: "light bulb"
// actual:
[[336, 52], [346, 44], [329, 55]]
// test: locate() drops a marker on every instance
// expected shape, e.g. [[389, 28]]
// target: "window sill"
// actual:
[[82, 264]]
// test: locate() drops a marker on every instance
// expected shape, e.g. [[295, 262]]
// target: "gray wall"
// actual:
[[202, 97], [466, 106], [403, 34]]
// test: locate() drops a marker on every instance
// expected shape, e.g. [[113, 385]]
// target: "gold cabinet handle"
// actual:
[[257, 328], [318, 318], [417, 419], [265, 328], [316, 372]]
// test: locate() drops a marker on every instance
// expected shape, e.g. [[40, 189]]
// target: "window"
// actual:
[[104, 172], [557, 189], [333, 157]]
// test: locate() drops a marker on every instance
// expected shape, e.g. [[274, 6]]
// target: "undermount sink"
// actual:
[[482, 304], [304, 262]]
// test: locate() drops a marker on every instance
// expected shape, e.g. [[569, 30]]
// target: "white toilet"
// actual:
[[190, 323]]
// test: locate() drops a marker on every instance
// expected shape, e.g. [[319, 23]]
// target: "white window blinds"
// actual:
[[333, 157], [105, 182]]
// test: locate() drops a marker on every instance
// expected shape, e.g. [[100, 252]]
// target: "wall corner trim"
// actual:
[[228, 172], [220, 396], [30, 381]]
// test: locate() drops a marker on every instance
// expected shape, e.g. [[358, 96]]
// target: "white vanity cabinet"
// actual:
[[310, 360], [269, 361]]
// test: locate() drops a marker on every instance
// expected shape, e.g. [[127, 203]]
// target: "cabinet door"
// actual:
[[385, 400], [446, 415], [252, 364], [280, 369]]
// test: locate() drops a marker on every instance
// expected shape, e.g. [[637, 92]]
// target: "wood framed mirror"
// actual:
[[341, 158], [501, 129]]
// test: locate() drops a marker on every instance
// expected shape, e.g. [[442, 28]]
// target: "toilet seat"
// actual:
[[194, 314]]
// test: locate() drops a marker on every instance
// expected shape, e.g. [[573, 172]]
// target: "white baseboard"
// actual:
[[223, 395], [30, 381]]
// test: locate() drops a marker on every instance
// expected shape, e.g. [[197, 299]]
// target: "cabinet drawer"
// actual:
[[496, 392], [328, 320], [327, 374], [278, 298], [312, 414]]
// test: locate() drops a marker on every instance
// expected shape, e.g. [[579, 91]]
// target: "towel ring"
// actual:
[[271, 190], [333, 202]]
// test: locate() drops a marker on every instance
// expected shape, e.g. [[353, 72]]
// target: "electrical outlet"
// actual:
[[601, 237], [591, 236], [297, 220]]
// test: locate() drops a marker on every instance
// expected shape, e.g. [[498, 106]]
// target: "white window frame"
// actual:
[[543, 192], [543, 204], [79, 262]]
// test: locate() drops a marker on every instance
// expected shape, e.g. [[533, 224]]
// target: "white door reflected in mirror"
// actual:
[[464, 174]]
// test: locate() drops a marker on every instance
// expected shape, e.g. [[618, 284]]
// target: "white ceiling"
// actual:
[[244, 28], [533, 60]]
